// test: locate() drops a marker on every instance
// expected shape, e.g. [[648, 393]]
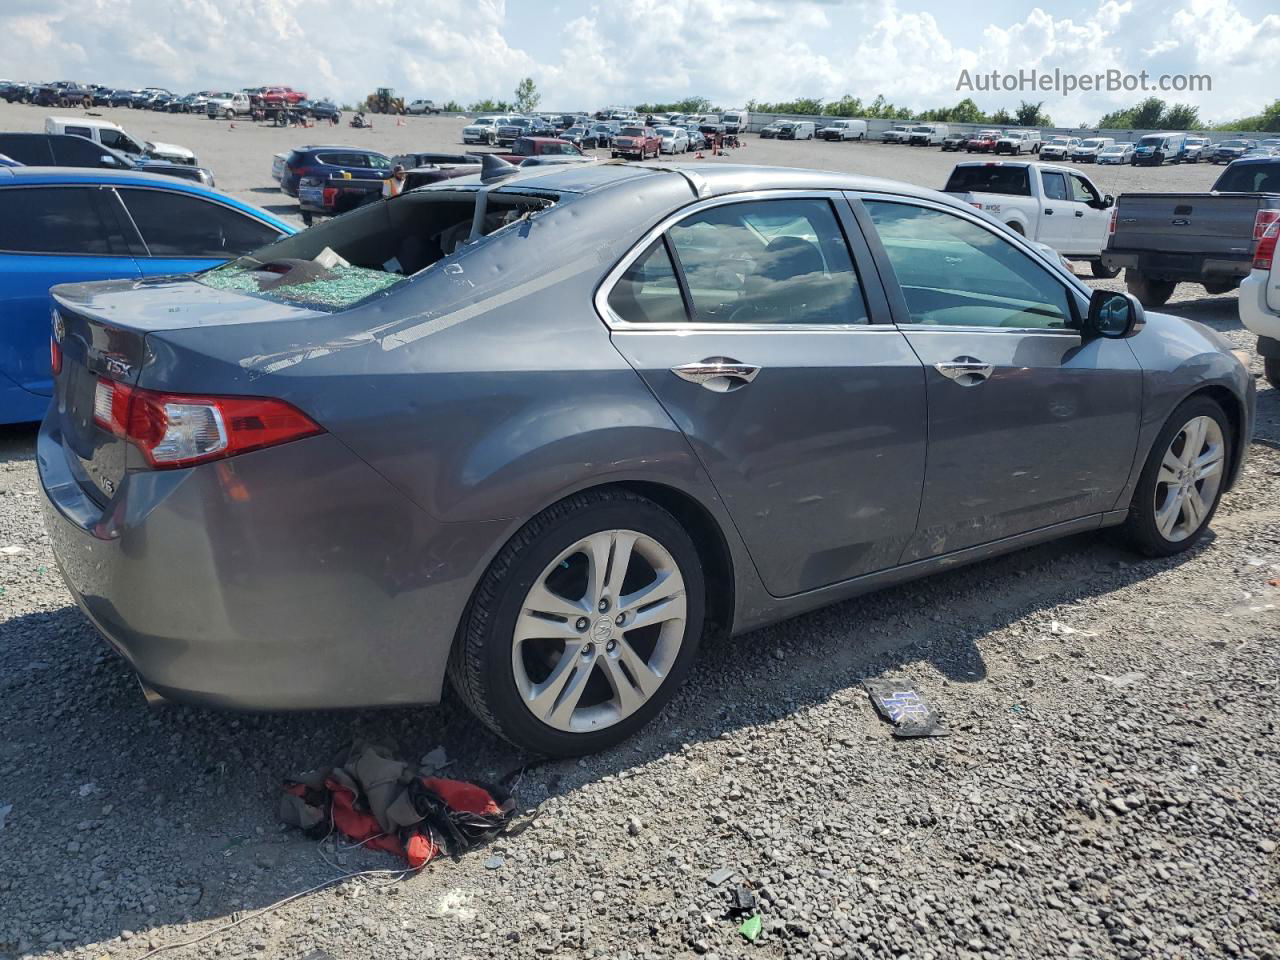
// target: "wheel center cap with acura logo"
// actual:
[[603, 630]]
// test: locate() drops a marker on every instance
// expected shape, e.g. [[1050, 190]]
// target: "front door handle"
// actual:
[[966, 371], [718, 374], [1079, 213]]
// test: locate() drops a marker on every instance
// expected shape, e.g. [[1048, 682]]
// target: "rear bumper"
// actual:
[[1256, 315], [1165, 266], [288, 578]]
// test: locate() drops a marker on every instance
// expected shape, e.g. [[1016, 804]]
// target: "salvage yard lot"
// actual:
[[1111, 787]]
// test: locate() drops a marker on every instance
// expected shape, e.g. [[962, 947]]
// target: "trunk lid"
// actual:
[[105, 331]]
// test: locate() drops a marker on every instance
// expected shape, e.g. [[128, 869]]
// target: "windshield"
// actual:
[[922, 129], [1118, 148], [1233, 143], [667, 131], [633, 131], [1059, 141], [1150, 141], [1091, 144]]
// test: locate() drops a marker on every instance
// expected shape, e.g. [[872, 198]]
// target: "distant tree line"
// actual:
[[1154, 114]]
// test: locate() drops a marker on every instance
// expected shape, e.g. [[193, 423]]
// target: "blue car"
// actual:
[[60, 225], [323, 162]]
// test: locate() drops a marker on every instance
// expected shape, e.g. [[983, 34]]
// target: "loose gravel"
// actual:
[[1111, 787]]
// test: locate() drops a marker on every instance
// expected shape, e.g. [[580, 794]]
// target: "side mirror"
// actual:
[[1108, 201], [1114, 315], [107, 160]]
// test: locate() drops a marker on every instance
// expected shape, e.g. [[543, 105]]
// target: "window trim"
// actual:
[[145, 250], [893, 290], [101, 213], [854, 242]]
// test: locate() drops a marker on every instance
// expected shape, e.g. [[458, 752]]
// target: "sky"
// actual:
[[585, 55]]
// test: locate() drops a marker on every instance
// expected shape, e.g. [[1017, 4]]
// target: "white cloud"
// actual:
[[625, 51]]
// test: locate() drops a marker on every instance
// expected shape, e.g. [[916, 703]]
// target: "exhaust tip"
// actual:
[[152, 698]]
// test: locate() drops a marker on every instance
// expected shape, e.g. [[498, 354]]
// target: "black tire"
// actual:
[[1221, 287], [1271, 370], [480, 667], [1139, 528], [1103, 272], [1150, 293]]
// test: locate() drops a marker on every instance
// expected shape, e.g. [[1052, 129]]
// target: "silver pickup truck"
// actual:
[[1163, 239]]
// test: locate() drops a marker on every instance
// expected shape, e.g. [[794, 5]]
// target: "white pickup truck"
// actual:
[[1053, 205]]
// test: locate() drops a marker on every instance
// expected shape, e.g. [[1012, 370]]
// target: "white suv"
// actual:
[[483, 130], [1260, 302]]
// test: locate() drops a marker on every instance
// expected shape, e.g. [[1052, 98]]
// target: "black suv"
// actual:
[[361, 163], [68, 150]]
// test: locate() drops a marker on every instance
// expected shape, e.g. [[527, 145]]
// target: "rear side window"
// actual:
[[31, 149], [768, 261], [180, 225], [63, 220], [79, 152], [1055, 185], [993, 178], [648, 291]]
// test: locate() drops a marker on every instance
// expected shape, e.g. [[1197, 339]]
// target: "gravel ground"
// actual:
[[1111, 787]]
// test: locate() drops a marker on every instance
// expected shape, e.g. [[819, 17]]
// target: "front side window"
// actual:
[[954, 272], [180, 225], [56, 220], [769, 261], [1082, 191]]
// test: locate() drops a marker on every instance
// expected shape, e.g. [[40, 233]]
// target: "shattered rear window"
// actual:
[[338, 286]]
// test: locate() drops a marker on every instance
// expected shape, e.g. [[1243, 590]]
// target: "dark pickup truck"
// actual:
[[1163, 239]]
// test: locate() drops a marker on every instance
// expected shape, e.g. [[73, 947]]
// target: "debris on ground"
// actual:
[[1124, 680], [741, 900], [719, 876], [384, 803], [751, 927], [434, 761], [898, 701]]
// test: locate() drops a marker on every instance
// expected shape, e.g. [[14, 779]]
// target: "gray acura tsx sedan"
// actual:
[[541, 431]]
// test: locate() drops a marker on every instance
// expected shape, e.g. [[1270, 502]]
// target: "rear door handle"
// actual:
[[1049, 212], [1079, 213], [718, 374], [966, 371]]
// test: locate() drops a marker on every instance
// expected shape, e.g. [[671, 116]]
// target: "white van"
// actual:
[[797, 130], [735, 121], [112, 135], [844, 130], [927, 134]]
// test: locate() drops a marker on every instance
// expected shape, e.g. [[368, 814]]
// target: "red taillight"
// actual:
[[55, 356], [1265, 253], [177, 430], [1262, 220], [330, 196], [300, 171], [1111, 224]]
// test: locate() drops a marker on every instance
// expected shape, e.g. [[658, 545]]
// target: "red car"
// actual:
[[270, 98], [984, 141], [638, 142]]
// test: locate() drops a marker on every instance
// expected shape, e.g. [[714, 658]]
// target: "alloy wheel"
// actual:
[[1189, 477], [599, 631]]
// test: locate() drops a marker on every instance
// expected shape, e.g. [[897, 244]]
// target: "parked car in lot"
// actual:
[[735, 121], [844, 130], [1089, 149], [512, 128], [674, 139], [62, 94], [1116, 153], [61, 226], [68, 150], [228, 105], [1155, 148], [1059, 148], [927, 134], [796, 130], [121, 98], [483, 130], [1193, 149], [1228, 150], [1018, 141], [542, 147], [584, 138], [954, 142], [1053, 205], [332, 161], [984, 141], [422, 108], [320, 109], [636, 142], [855, 403], [117, 138], [1260, 302], [770, 130], [898, 133], [142, 99], [1163, 239], [696, 139]]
